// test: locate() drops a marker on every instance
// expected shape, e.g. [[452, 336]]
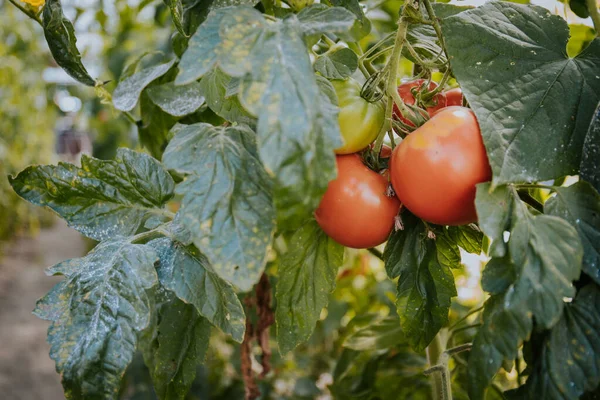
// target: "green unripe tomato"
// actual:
[[360, 121], [298, 5]]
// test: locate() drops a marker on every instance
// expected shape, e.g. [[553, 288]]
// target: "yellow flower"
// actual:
[[35, 3]]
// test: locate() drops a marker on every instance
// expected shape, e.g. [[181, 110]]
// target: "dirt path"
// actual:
[[26, 370]]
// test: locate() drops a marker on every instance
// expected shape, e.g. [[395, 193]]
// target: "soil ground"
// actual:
[[26, 370]]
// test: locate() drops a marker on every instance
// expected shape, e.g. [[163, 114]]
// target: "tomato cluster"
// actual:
[[433, 171]]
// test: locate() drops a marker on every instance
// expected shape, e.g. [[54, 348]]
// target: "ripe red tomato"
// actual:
[[355, 211], [454, 97], [405, 92], [435, 169]]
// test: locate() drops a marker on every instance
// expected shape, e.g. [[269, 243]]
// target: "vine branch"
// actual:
[[29, 13], [594, 14]]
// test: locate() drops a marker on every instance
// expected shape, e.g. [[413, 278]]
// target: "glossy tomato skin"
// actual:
[[454, 97], [360, 121], [435, 169], [405, 92], [355, 211]]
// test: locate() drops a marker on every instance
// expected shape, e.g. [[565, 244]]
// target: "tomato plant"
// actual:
[[234, 213], [436, 168], [360, 121], [407, 92], [355, 210]]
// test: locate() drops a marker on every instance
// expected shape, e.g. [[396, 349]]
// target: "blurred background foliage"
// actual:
[[352, 353]]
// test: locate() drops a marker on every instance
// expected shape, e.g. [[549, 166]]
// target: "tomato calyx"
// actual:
[[370, 90], [377, 162]]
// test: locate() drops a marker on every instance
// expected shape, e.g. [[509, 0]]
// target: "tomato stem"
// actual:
[[526, 197], [474, 311], [386, 125], [437, 358], [376, 252], [437, 27], [594, 14], [106, 98], [29, 13]]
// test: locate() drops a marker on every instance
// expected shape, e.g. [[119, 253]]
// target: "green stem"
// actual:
[[367, 70], [376, 252], [436, 26], [464, 328], [532, 201], [438, 88], [459, 349], [268, 4], [106, 97], [327, 40], [518, 368], [151, 234], [417, 57], [476, 310], [389, 108], [29, 13], [594, 14], [533, 186], [379, 53], [438, 361], [377, 45], [164, 212]]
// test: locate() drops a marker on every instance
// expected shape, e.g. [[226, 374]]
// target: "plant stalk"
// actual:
[[437, 27], [31, 15], [594, 14]]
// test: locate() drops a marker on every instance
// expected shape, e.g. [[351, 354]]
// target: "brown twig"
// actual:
[[266, 318], [251, 390], [260, 332]]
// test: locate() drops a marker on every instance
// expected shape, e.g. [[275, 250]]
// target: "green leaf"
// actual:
[[362, 25], [177, 100], [423, 37], [296, 137], [186, 272], [494, 209], [590, 159], [180, 345], [534, 103], [448, 253], [306, 278], [468, 237], [227, 203], [96, 314], [425, 283], [176, 7], [579, 204], [579, 7], [222, 98], [504, 329], [128, 91], [62, 42], [568, 364], [424, 296], [102, 199], [381, 334], [498, 275], [319, 18], [404, 249], [339, 64], [154, 128], [545, 255]]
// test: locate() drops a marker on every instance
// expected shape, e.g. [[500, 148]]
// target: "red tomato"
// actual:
[[435, 169], [405, 92], [454, 97], [355, 211]]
